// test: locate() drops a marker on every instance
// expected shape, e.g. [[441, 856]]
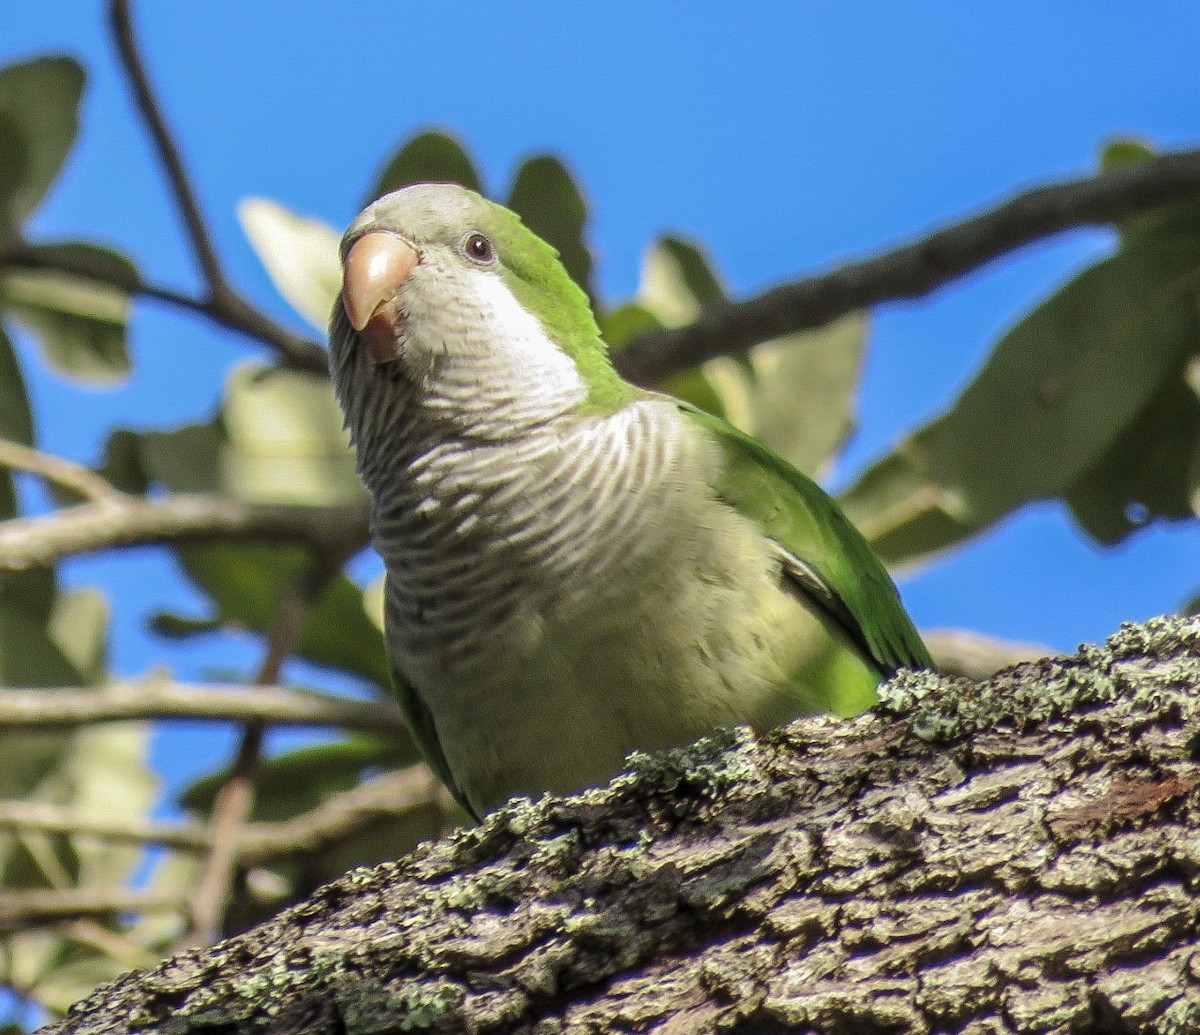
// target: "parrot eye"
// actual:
[[479, 248]]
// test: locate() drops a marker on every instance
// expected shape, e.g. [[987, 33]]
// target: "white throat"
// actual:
[[500, 373]]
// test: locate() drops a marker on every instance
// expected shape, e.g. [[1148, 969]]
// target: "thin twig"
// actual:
[[65, 708], [224, 301], [384, 799], [915, 269], [58, 471], [168, 150], [180, 518], [22, 909]]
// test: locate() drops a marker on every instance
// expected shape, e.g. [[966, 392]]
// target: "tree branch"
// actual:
[[151, 699], [21, 909], [384, 799], [180, 518], [58, 471], [915, 269], [224, 302], [1015, 855], [234, 802]]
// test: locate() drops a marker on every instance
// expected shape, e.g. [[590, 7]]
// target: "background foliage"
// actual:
[[1089, 398]]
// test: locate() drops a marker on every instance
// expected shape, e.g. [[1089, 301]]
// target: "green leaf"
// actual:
[[278, 441], [549, 201], [1124, 151], [429, 157], [1059, 389], [245, 583], [14, 168], [300, 255], [795, 394], [40, 100], [16, 419], [80, 323]]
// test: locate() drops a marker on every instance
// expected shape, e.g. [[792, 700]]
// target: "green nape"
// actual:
[[533, 273]]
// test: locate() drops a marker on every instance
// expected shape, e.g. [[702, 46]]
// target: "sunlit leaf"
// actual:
[[300, 255], [284, 440], [677, 281], [429, 157], [796, 394], [40, 99], [549, 201]]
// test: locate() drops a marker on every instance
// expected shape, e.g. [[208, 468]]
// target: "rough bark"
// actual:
[[1016, 855]]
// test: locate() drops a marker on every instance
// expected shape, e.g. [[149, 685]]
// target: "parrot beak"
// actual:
[[374, 269]]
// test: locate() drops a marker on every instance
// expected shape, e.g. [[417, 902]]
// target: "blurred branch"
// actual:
[[126, 701], [959, 652], [234, 802], [383, 799], [128, 520], [915, 269], [55, 469], [224, 303], [20, 909]]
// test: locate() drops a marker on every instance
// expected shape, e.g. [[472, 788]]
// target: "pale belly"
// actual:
[[704, 636]]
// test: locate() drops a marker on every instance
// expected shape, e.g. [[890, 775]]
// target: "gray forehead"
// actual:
[[422, 212]]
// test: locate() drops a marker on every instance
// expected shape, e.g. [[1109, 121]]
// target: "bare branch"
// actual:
[[19, 909], [383, 799], [168, 151], [224, 303], [133, 701], [55, 469], [181, 518], [915, 269]]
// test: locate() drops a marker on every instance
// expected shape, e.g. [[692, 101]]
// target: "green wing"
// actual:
[[825, 556]]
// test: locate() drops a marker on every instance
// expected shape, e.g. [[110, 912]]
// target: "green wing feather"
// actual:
[[829, 560]]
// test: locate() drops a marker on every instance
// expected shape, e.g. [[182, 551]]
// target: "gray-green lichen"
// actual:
[[1137, 665]]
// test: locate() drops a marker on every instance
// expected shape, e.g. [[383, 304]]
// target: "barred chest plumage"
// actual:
[[484, 538]]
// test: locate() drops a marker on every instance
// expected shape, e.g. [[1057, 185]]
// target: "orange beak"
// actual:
[[375, 267]]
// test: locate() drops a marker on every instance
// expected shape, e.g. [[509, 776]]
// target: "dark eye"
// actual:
[[479, 248]]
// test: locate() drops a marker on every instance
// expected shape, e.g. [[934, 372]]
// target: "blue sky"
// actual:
[[785, 135]]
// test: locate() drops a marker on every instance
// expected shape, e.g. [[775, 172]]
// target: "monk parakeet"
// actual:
[[576, 568]]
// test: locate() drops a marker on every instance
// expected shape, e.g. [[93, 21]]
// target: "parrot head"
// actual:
[[445, 292]]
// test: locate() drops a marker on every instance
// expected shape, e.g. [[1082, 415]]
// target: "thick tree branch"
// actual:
[[915, 269], [1017, 855], [153, 699], [224, 302], [181, 518]]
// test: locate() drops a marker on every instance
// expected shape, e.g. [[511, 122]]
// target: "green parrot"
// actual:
[[576, 568]]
